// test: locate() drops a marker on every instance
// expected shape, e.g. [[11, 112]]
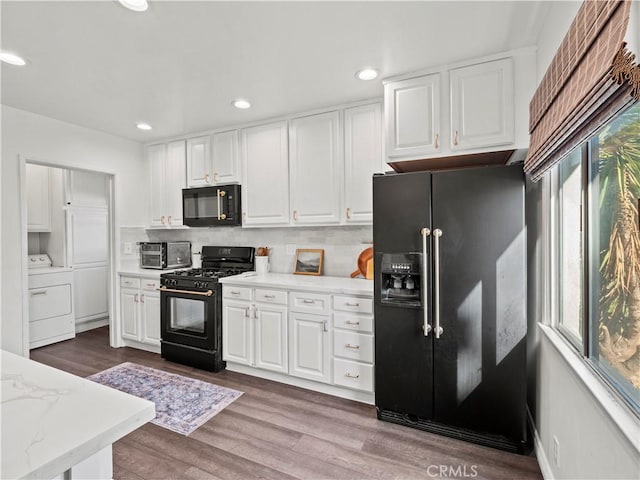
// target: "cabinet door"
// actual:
[[129, 313], [38, 185], [265, 175], [271, 338], [175, 181], [156, 156], [88, 236], [198, 161], [237, 333], [225, 158], [412, 116], [150, 317], [482, 105], [87, 189], [90, 293], [316, 168], [362, 158], [309, 347]]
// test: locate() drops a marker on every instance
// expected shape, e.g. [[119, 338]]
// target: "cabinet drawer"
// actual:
[[129, 282], [150, 283], [271, 296], [49, 302], [310, 302], [355, 346], [353, 375], [238, 293], [51, 327], [353, 304], [361, 323]]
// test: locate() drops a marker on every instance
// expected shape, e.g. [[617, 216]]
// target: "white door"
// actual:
[[225, 157], [175, 181], [87, 189], [156, 156], [129, 313], [90, 293], [362, 158], [199, 162], [316, 168], [309, 347], [88, 235], [265, 175], [271, 338], [412, 116], [482, 105], [150, 317], [38, 198], [237, 333]]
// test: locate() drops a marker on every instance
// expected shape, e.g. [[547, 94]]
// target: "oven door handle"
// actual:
[[208, 293]]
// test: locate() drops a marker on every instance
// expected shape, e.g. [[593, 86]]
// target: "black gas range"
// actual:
[[191, 307]]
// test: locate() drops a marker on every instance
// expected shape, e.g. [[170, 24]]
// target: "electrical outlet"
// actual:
[[291, 248], [128, 248], [556, 451]]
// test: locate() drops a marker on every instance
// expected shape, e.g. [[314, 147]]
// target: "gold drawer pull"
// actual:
[[150, 284], [348, 375], [355, 347], [308, 301], [270, 297], [349, 304], [349, 322], [234, 292]]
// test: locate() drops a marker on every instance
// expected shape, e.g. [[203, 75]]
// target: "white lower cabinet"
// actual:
[[310, 346], [50, 308], [307, 338], [140, 309]]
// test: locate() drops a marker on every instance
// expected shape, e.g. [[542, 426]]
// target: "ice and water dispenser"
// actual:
[[401, 279]]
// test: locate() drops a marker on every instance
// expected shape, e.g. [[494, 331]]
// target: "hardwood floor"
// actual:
[[276, 431]]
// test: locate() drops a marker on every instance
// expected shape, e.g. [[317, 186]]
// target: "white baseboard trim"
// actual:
[[541, 456], [91, 324]]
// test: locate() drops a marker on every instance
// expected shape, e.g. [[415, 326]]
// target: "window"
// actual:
[[599, 313]]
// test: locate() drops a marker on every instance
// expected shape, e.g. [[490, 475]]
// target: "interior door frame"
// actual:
[[114, 239]]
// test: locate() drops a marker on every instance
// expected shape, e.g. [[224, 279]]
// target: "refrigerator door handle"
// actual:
[[426, 328], [437, 233]]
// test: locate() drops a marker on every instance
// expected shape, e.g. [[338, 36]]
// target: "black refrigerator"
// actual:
[[450, 303]]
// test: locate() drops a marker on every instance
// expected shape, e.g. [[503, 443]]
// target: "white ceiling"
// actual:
[[179, 65]]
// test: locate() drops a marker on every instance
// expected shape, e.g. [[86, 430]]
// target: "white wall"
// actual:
[[591, 444], [45, 139]]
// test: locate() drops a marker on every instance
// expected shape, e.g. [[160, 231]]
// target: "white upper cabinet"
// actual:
[[482, 105], [225, 158], [168, 177], [199, 171], [362, 158], [316, 169], [86, 189], [38, 184], [413, 116], [265, 175]]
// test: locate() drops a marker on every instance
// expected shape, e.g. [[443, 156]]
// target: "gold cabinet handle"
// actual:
[[142, 298], [348, 375], [348, 214], [162, 219], [349, 322], [270, 297], [295, 215], [206, 178], [351, 304], [169, 219], [437, 144], [215, 177], [354, 347], [308, 301], [455, 137], [135, 298]]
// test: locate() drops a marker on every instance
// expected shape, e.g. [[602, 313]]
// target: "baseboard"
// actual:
[[541, 456], [91, 324]]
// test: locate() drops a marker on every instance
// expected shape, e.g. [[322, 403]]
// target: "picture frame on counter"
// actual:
[[309, 261]]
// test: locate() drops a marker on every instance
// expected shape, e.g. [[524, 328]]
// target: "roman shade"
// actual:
[[591, 77]]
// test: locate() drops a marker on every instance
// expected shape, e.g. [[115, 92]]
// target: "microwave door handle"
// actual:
[[218, 201]]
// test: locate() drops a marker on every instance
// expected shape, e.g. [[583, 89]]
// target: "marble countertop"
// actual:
[[134, 270], [53, 420], [339, 285]]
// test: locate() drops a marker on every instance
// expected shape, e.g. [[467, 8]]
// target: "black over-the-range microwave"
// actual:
[[212, 206]]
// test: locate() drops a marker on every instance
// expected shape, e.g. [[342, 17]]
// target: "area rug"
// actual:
[[182, 403]]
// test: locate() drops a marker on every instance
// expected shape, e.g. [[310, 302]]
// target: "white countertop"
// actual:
[[134, 270], [53, 420], [308, 283]]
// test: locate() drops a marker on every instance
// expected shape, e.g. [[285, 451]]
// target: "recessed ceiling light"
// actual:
[[143, 126], [135, 5], [367, 74], [12, 58], [240, 103]]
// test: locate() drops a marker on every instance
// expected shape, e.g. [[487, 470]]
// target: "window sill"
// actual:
[[626, 421]]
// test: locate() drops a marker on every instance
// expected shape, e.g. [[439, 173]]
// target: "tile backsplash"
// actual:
[[341, 245]]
